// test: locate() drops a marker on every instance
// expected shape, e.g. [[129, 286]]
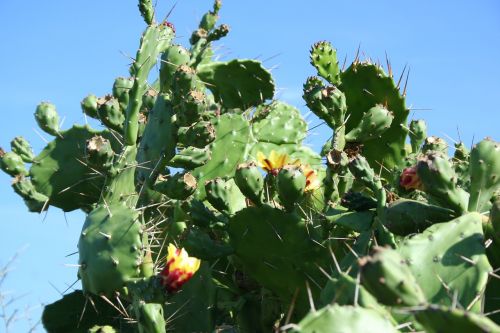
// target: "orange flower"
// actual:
[[312, 181], [409, 179], [179, 269], [272, 164]]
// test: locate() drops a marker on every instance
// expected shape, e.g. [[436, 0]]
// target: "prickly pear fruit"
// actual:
[[250, 182], [179, 186], [89, 106], [147, 11], [440, 181], [328, 103], [291, 183], [224, 196], [99, 152], [417, 133], [34, 200], [21, 147], [174, 57], [435, 144], [190, 158], [374, 122], [12, 164], [150, 317], [47, 118], [109, 113], [386, 276], [197, 135], [121, 88], [484, 171]]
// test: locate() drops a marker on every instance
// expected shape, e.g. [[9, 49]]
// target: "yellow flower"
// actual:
[[272, 164], [312, 181], [179, 269]]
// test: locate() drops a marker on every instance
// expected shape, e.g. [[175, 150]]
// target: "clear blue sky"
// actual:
[[62, 50]]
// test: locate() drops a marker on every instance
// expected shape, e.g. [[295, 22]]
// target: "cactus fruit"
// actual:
[[47, 118], [250, 182], [373, 123], [417, 134], [386, 276], [21, 147], [291, 184], [440, 181]]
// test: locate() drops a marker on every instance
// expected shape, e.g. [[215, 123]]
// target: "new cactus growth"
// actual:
[[205, 212]]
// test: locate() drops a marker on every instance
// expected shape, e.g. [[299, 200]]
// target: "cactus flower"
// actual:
[[272, 164], [409, 179], [312, 181], [179, 269]]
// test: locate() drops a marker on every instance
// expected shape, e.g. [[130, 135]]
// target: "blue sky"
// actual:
[[62, 50]]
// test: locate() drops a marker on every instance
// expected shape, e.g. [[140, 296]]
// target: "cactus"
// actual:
[[203, 161]]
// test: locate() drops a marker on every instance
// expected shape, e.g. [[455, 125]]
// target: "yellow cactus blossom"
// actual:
[[179, 269], [272, 163], [312, 181]]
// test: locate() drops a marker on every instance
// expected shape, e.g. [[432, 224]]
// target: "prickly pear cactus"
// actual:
[[205, 212]]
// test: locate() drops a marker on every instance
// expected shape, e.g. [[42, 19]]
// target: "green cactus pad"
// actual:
[[195, 301], [449, 254], [121, 88], [158, 142], [110, 249], [484, 171], [238, 84], [386, 276], [366, 85], [199, 244], [324, 58], [342, 319], [68, 315], [373, 124], [278, 250], [191, 157], [355, 221], [232, 133], [436, 319], [61, 173], [155, 40], [279, 123], [302, 153], [404, 217]]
